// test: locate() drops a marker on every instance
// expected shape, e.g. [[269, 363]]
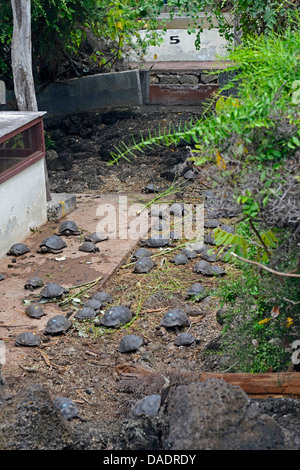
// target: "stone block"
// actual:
[[61, 204]]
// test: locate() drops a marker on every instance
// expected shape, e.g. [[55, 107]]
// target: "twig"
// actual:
[[81, 396], [259, 237], [47, 360], [28, 369], [291, 301], [265, 267]]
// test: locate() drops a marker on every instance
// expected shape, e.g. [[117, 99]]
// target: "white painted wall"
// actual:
[[178, 45], [23, 205]]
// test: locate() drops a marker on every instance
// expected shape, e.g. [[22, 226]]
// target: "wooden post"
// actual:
[[21, 56], [21, 59]]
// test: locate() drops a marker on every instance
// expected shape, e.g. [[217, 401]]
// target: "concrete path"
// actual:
[[70, 268]]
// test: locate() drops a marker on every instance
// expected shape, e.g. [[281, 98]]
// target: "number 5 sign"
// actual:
[[174, 40]]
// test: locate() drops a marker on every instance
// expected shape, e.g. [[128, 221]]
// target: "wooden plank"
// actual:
[[284, 384], [264, 384], [189, 95]]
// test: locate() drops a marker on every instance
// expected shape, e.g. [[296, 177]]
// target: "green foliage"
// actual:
[[245, 246], [60, 26], [256, 336], [238, 18]]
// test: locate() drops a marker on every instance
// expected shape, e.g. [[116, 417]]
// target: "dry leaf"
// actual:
[[275, 311]]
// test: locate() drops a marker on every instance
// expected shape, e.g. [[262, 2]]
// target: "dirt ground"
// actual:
[[81, 364]]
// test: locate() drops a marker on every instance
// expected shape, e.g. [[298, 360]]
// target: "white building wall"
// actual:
[[23, 205]]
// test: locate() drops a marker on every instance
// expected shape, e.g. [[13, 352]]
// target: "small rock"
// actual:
[[1, 277]]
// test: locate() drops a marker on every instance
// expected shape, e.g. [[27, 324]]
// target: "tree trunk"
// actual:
[[21, 56]]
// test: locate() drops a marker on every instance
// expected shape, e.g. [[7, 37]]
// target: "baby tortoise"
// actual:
[[68, 227], [52, 244], [89, 247], [140, 253], [116, 316], [67, 408], [156, 242], [34, 311], [85, 313], [130, 343], [52, 290], [196, 292], [175, 318], [184, 339], [18, 249], [96, 237], [103, 297], [34, 282], [206, 269], [180, 259], [143, 265], [57, 325], [28, 338]]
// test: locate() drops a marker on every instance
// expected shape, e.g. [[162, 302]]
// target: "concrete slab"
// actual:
[[61, 205], [183, 65], [114, 213], [92, 92]]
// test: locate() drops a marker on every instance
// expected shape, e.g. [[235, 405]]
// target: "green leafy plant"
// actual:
[[260, 323]]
